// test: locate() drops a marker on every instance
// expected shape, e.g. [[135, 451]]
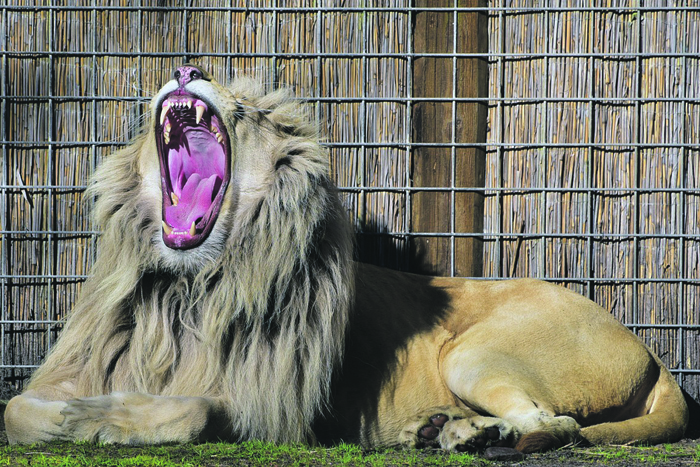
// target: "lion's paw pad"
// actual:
[[432, 430], [424, 429]]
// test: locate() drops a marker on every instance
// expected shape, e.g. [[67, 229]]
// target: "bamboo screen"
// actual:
[[592, 156]]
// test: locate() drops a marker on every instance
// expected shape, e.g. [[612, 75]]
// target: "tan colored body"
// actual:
[[267, 330], [522, 350]]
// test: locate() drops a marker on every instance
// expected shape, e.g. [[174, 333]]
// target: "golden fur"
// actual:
[[269, 331]]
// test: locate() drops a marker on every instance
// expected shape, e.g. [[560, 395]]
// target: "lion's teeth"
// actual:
[[189, 103], [219, 137], [166, 132], [199, 109], [174, 198], [167, 229], [164, 112], [192, 230]]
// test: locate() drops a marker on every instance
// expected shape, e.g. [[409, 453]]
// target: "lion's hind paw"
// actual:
[[456, 429], [423, 430], [477, 433]]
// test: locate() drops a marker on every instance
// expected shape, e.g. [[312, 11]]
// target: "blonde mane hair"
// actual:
[[258, 318]]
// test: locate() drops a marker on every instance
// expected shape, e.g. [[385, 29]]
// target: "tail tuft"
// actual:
[[538, 441]]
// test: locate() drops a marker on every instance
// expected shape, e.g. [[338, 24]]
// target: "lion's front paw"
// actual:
[[477, 433], [100, 418], [423, 430]]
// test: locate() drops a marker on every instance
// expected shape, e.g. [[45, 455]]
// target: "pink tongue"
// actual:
[[196, 169], [195, 200]]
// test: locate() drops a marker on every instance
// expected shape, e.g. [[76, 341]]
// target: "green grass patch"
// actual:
[[258, 453], [253, 453]]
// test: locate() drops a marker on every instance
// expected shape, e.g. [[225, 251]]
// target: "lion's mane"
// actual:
[[257, 318]]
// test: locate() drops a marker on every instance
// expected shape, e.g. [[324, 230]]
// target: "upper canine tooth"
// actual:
[[219, 137], [174, 198], [164, 112], [200, 111]]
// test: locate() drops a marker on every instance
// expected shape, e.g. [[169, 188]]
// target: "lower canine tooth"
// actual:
[[167, 229], [192, 230], [174, 198]]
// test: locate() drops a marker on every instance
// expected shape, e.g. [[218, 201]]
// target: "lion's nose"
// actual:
[[187, 73]]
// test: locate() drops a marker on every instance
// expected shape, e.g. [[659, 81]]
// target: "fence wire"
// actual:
[[591, 152]]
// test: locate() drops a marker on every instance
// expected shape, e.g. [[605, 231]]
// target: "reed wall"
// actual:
[[592, 155]]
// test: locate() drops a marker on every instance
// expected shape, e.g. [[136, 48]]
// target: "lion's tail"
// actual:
[[665, 422]]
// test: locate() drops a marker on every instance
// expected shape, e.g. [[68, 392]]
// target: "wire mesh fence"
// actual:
[[590, 150]]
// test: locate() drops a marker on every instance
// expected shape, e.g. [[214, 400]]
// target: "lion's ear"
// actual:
[[290, 119]]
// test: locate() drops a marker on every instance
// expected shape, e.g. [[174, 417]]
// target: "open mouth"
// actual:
[[194, 153]]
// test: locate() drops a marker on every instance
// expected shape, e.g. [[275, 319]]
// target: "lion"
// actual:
[[224, 304]]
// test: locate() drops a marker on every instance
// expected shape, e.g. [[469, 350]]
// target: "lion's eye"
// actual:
[[195, 75]]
